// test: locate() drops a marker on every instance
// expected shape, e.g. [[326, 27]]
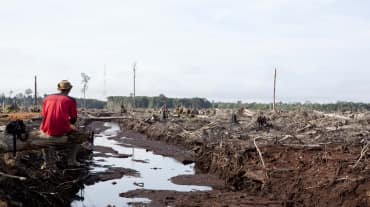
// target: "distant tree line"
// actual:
[[157, 102], [25, 101], [91, 103], [330, 107], [20, 99]]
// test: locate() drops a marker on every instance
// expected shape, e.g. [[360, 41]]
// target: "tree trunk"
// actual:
[[35, 142]]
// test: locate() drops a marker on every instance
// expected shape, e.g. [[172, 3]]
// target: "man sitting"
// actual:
[[59, 113]]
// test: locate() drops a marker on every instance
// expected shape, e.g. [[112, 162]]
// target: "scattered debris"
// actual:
[[285, 155], [141, 185]]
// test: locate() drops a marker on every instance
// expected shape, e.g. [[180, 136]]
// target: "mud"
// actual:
[[199, 179], [123, 138], [111, 173], [213, 198], [158, 147], [100, 151], [306, 158]]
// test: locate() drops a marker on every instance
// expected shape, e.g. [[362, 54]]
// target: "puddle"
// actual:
[[155, 174]]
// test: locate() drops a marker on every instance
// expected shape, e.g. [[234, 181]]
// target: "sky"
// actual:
[[223, 50]]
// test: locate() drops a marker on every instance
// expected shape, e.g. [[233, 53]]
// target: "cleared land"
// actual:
[[301, 158]]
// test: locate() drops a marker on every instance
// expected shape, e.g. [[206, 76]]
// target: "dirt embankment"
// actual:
[[23, 182], [305, 159], [26, 184]]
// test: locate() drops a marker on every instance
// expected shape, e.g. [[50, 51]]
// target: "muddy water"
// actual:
[[155, 174]]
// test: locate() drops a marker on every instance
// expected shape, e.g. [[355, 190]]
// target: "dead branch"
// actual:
[[259, 152], [363, 152], [12, 176], [308, 126], [112, 118], [304, 146], [290, 137]]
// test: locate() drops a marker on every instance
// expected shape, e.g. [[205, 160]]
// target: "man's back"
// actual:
[[57, 110]]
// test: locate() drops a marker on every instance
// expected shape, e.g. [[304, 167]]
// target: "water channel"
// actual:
[[155, 173]]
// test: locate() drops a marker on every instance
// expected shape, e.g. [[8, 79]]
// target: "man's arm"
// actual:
[[43, 108], [73, 121], [73, 112]]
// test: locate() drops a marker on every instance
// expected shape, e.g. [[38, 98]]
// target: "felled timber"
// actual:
[[37, 142], [109, 118]]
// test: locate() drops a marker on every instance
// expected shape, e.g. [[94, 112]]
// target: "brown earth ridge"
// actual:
[[306, 158]]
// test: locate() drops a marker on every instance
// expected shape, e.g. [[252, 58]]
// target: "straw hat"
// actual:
[[64, 85]]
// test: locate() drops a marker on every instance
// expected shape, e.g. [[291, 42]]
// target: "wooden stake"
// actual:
[[273, 104], [35, 101], [105, 82]]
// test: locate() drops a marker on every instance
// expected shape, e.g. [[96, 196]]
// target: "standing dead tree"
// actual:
[[273, 103], [35, 95], [134, 94], [85, 81], [27, 93]]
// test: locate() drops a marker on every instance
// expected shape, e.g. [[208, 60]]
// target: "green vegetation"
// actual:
[[91, 103], [158, 101], [331, 107], [25, 102]]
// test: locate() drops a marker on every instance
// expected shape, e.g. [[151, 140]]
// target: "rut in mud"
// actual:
[[141, 169]]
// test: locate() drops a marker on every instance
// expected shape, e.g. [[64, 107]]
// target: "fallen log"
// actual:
[[303, 146], [107, 119], [91, 118], [37, 142]]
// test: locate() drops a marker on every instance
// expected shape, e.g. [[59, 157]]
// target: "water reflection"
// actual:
[[155, 173]]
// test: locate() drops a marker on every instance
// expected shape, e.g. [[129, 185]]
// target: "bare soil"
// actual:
[[199, 179], [306, 158], [215, 198], [158, 147], [303, 158], [110, 174]]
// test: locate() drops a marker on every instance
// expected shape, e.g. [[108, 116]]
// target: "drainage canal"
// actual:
[[154, 173]]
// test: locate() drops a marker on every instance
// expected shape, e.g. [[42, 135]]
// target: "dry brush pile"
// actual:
[[23, 181]]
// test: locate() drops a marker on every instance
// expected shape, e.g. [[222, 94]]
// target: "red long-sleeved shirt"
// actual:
[[57, 111]]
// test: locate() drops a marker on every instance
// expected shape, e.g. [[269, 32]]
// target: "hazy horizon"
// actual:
[[219, 50]]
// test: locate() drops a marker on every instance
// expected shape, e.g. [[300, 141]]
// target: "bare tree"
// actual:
[[28, 92], [19, 97], [134, 70], [85, 81], [274, 96]]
